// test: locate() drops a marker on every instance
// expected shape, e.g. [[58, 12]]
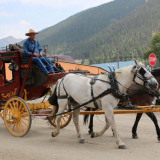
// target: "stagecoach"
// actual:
[[19, 83]]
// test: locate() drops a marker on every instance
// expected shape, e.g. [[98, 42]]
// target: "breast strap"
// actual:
[[92, 82]]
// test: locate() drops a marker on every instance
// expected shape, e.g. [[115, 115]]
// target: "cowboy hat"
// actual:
[[31, 31]]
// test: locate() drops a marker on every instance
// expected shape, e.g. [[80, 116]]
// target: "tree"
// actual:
[[155, 47]]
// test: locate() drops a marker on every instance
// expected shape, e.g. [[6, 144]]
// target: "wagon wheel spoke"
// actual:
[[11, 107], [18, 105], [22, 110], [24, 114], [27, 119], [66, 115], [21, 125], [64, 119], [24, 123], [9, 114], [13, 127], [17, 127], [14, 104], [11, 122]]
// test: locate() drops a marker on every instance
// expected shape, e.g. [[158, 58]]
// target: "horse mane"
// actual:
[[156, 72]]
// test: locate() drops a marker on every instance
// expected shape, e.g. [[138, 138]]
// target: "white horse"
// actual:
[[78, 87]]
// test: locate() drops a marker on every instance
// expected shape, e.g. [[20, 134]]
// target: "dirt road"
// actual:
[[39, 145]]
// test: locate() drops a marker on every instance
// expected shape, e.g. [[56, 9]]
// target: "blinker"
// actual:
[[142, 71]]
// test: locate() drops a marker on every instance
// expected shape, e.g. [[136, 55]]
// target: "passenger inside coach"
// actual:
[[30, 46]]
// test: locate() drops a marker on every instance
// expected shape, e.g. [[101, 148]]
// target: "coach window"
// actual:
[[9, 74]]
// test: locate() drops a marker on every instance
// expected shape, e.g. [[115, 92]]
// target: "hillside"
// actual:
[[68, 36], [130, 37], [8, 40]]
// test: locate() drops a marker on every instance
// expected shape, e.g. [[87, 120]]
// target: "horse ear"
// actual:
[[136, 62]]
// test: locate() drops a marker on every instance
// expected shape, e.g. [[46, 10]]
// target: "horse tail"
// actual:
[[85, 119]]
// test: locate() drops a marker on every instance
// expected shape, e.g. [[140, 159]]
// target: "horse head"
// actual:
[[142, 76]]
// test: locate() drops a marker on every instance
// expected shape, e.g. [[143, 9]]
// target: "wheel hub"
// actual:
[[16, 116]]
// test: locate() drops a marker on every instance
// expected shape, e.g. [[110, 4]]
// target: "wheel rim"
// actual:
[[66, 118], [17, 117]]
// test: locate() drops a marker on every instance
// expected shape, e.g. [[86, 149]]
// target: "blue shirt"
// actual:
[[28, 47]]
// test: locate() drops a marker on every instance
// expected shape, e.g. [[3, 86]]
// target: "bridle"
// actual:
[[140, 74]]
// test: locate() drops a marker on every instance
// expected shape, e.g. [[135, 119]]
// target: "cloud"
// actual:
[[17, 30], [23, 22]]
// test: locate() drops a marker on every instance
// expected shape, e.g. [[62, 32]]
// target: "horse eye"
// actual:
[[142, 71]]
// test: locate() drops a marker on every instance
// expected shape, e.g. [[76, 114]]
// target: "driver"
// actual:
[[30, 46]]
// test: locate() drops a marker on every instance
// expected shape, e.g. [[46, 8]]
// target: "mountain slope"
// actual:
[[68, 36], [8, 40], [130, 37]]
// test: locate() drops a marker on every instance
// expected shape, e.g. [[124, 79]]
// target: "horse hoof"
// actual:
[[122, 147], [82, 141], [92, 134], [52, 134], [135, 136]]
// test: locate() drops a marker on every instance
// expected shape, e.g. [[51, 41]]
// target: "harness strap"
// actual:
[[62, 96], [144, 90], [92, 82]]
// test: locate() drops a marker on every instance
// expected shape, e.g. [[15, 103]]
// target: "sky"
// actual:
[[18, 16]]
